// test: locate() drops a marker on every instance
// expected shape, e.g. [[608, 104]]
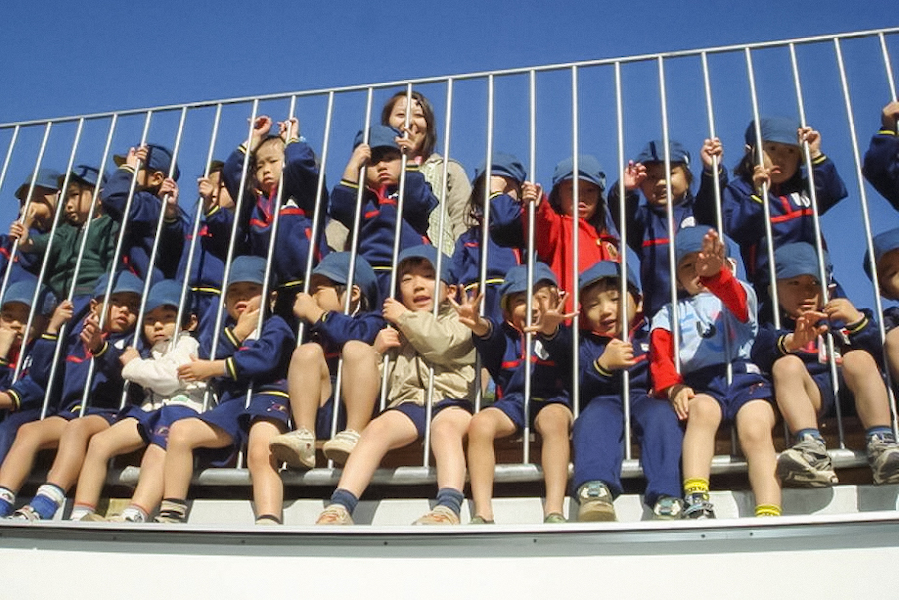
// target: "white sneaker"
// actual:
[[340, 446], [296, 448]]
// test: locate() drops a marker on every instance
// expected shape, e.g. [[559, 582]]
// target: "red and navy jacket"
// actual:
[[261, 363], [881, 166], [26, 393], [298, 201], [502, 354], [334, 329], [140, 227], [594, 380], [792, 219], [647, 233], [864, 335], [379, 216]]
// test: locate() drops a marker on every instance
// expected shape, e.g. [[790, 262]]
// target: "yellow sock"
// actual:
[[696, 485], [767, 510]]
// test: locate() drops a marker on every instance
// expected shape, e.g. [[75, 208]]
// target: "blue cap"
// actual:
[[336, 267], [689, 240], [124, 282], [159, 158], [517, 279], [23, 291], [588, 169], [247, 269], [654, 151], [85, 175], [428, 253], [379, 136], [505, 165], [782, 130], [883, 243], [795, 259], [46, 178], [606, 269], [164, 293]]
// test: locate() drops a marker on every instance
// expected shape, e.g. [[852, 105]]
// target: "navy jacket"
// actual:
[[334, 329], [258, 362], [881, 166]]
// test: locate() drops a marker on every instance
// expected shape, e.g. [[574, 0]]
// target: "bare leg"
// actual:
[[31, 438], [485, 428], [798, 398], [148, 493], [862, 376], [755, 420], [268, 490], [390, 430], [186, 436], [72, 448], [360, 370], [699, 439], [448, 430], [308, 383], [553, 423], [121, 438]]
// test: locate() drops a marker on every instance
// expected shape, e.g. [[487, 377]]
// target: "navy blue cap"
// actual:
[[588, 168], [125, 281], [689, 240], [247, 269], [795, 259], [23, 291], [84, 174], [782, 130], [517, 279], [159, 158], [654, 151], [336, 267], [606, 269], [163, 293], [379, 136], [46, 178], [503, 164], [428, 253], [883, 243]]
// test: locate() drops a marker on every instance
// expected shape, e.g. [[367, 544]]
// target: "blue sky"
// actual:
[[64, 58]]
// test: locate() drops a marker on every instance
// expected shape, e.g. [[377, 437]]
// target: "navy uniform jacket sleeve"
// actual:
[[865, 335], [559, 345], [262, 358], [491, 348], [633, 216], [829, 186], [339, 328], [343, 203], [418, 202], [704, 208], [301, 177], [506, 222], [881, 166]]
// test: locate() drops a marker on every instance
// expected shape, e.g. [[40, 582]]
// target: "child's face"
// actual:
[[418, 125], [78, 201], [655, 188], [384, 168], [220, 193], [781, 160], [505, 185], [122, 314], [888, 274], [14, 317], [418, 285], [150, 180], [242, 295], [588, 198], [159, 324], [42, 207], [797, 295], [325, 293], [269, 164], [687, 278], [601, 307], [516, 305]]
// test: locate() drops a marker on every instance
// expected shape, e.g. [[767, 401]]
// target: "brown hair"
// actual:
[[430, 141]]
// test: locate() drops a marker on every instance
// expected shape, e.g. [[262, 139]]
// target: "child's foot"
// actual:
[[26, 513], [479, 520], [806, 464], [336, 514], [595, 501], [699, 507], [554, 518], [883, 456], [340, 446], [667, 508], [296, 448], [439, 515]]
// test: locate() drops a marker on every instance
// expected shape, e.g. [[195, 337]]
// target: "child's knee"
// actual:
[[180, 437], [704, 410], [356, 351], [482, 428], [553, 421], [787, 368], [307, 353], [259, 455], [859, 364]]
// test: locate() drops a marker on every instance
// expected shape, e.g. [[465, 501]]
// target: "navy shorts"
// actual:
[[324, 417], [828, 398], [110, 414], [224, 416], [154, 428], [744, 387], [417, 413], [513, 407], [270, 405]]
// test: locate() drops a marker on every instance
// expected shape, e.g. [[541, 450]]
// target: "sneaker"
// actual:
[[698, 507], [340, 446], [595, 501], [296, 448], [667, 508], [479, 520], [806, 464], [439, 515], [26, 513], [336, 514], [883, 457], [93, 517], [554, 518]]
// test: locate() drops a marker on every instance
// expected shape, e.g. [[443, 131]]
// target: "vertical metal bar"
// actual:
[[530, 257], [485, 232], [9, 149], [575, 246], [891, 81], [716, 166]]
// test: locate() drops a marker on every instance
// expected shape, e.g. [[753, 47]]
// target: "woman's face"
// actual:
[[418, 125]]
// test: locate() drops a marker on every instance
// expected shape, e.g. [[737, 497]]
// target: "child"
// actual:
[[273, 155], [156, 188], [82, 217], [788, 198], [506, 178], [313, 366], [881, 167], [599, 429], [167, 399], [647, 221], [420, 342], [382, 160], [244, 364], [501, 346], [66, 429], [717, 319], [798, 362], [886, 260], [38, 219]]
